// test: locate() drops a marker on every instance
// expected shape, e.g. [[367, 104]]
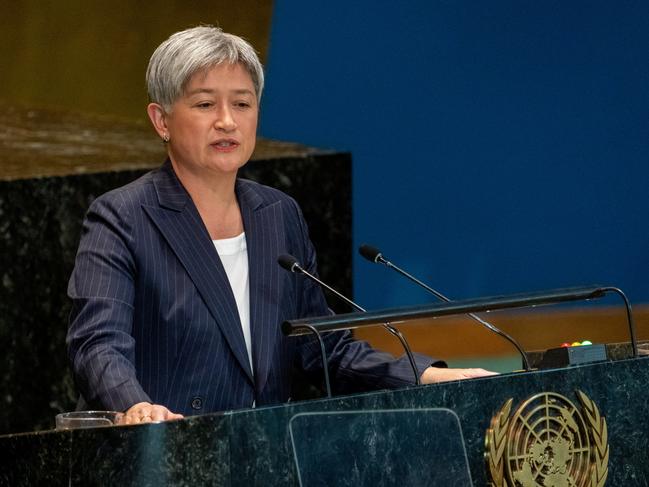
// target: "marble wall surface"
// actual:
[[52, 165]]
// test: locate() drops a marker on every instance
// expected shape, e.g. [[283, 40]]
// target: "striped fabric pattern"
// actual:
[[154, 318]]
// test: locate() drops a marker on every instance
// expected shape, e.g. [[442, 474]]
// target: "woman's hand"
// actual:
[[145, 412], [438, 374]]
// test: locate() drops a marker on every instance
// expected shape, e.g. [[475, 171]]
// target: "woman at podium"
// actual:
[[177, 295]]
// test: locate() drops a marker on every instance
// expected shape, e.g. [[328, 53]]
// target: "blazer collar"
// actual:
[[173, 196], [171, 193], [265, 238]]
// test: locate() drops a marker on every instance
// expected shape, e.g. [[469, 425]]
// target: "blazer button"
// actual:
[[197, 403]]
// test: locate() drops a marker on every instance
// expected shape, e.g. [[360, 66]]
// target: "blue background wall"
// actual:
[[498, 146]]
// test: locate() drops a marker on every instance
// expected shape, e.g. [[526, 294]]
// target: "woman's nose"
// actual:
[[224, 120]]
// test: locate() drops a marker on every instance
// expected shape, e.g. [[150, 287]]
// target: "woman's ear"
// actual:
[[158, 119]]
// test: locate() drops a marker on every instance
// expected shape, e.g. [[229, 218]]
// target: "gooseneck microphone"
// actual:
[[374, 255], [291, 264]]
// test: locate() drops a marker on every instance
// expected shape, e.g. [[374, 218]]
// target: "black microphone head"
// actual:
[[288, 262], [370, 253]]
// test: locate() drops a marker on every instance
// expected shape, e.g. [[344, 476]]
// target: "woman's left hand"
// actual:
[[433, 375]]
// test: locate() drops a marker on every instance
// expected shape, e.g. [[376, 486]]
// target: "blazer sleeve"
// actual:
[[99, 340], [353, 364]]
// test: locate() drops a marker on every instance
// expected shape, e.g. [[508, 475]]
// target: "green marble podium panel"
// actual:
[[352, 448], [253, 447]]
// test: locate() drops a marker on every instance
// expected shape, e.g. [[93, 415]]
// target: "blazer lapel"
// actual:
[[265, 241], [182, 227]]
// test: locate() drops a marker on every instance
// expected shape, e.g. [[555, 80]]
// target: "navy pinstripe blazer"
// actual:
[[154, 318]]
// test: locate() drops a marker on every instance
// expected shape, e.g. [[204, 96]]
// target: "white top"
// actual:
[[234, 256]]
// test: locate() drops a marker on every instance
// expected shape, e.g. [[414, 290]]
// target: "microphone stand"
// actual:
[[373, 255], [291, 264]]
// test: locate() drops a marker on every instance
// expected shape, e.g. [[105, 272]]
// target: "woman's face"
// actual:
[[212, 126]]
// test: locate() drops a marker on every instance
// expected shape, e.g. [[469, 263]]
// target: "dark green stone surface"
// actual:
[[253, 447], [352, 448]]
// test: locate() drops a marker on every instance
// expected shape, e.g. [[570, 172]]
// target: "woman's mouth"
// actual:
[[225, 145]]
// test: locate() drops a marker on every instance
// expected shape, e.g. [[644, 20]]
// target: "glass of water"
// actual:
[[87, 419]]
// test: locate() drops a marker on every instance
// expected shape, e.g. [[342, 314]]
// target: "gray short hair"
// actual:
[[189, 51]]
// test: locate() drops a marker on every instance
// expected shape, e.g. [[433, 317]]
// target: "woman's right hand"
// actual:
[[145, 412]]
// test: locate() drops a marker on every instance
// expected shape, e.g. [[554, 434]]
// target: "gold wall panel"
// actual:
[[91, 56]]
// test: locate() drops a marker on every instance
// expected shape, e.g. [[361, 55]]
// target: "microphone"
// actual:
[[291, 264], [374, 255]]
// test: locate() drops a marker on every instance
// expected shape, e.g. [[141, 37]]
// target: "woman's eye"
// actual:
[[242, 104], [204, 104]]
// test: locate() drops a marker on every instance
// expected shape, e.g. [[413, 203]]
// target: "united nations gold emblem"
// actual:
[[548, 442]]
